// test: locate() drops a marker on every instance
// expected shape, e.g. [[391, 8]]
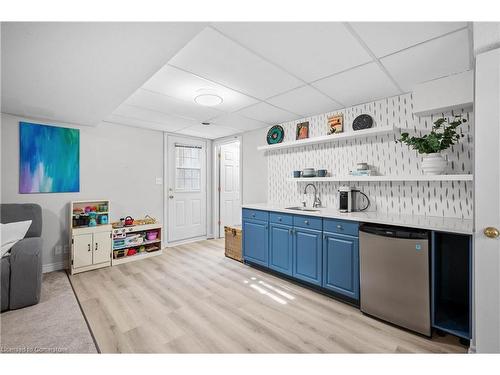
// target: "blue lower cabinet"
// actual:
[[307, 260], [341, 264], [256, 242], [280, 248]]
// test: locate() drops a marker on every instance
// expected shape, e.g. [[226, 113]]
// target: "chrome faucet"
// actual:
[[317, 201]]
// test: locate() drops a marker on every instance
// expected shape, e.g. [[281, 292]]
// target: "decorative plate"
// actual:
[[362, 122], [275, 135]]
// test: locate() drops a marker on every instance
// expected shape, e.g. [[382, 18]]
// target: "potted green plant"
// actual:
[[443, 135]]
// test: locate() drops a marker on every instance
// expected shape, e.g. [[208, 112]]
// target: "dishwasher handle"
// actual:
[[394, 232]]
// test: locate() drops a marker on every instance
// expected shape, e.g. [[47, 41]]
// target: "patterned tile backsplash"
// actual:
[[383, 154]]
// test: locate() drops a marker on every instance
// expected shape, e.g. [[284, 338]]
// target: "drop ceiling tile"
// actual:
[[116, 119], [309, 50], [184, 86], [305, 101], [217, 58], [136, 113], [267, 113], [161, 103], [235, 121], [210, 132], [434, 59], [358, 85], [384, 38]]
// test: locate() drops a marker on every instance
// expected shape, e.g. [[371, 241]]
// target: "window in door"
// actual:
[[187, 168]]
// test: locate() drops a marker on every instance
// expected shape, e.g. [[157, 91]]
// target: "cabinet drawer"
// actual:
[[307, 222], [278, 218], [255, 214], [341, 227]]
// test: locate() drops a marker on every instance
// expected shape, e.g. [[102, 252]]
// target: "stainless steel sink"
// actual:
[[301, 209]]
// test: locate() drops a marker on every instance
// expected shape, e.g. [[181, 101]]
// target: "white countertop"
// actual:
[[443, 224]]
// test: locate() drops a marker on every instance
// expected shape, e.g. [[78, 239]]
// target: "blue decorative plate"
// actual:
[[275, 135]]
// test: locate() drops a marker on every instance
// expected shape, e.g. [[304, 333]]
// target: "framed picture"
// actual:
[[303, 130], [335, 124], [49, 159]]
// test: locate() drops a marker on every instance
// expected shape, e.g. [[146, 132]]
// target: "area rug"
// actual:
[[55, 325]]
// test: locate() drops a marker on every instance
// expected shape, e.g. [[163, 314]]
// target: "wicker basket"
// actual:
[[233, 242]]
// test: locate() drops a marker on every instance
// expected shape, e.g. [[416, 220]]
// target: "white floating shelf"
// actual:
[[382, 130], [443, 177]]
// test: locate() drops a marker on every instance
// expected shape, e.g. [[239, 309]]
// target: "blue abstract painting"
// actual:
[[49, 159]]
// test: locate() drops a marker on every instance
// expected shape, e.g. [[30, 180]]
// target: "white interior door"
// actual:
[[229, 197], [487, 202], [186, 193]]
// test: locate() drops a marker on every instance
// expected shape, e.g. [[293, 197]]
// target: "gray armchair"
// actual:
[[21, 272]]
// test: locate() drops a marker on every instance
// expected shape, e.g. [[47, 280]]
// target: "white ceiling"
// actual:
[[267, 73], [81, 72]]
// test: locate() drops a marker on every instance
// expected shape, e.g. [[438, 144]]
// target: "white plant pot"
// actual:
[[433, 163]]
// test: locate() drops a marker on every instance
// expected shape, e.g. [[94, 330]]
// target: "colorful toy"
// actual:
[[131, 252], [92, 219], [151, 236], [103, 219]]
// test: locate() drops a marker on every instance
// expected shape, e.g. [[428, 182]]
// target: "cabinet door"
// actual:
[[307, 249], [82, 250], [280, 248], [341, 264], [102, 247], [255, 242]]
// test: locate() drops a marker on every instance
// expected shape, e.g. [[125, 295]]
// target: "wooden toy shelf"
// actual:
[[128, 239]]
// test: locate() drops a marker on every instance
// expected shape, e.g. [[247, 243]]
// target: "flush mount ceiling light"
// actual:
[[207, 98]]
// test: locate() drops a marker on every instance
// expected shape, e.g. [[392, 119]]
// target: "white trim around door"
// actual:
[[216, 176]]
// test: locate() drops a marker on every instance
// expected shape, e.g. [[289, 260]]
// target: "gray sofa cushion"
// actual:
[[5, 283], [25, 272], [10, 212]]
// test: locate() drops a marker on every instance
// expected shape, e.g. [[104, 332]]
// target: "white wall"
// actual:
[[486, 36], [118, 163], [253, 167]]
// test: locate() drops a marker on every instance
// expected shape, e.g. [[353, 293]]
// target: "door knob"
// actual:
[[171, 196], [491, 232]]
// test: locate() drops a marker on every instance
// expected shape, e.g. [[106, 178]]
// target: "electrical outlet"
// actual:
[[159, 181], [58, 249]]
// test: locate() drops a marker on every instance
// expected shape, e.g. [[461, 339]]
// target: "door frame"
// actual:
[[216, 175], [485, 251], [208, 167]]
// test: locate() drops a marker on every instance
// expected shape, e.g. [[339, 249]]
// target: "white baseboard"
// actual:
[[183, 242], [51, 267]]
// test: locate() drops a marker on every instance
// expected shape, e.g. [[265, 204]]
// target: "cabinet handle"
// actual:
[[339, 227], [89, 247], [96, 246], [253, 215], [306, 222], [290, 231], [279, 218]]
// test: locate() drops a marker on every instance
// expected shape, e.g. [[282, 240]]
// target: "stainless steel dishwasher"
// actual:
[[394, 275]]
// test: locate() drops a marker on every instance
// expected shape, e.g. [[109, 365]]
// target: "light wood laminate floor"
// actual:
[[192, 299]]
